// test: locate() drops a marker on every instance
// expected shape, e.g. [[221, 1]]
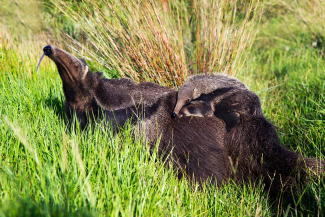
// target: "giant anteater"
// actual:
[[199, 147]]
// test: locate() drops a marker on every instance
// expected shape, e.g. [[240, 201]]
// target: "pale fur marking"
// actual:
[[85, 72]]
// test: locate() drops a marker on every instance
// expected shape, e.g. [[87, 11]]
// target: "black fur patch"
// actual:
[[231, 119], [223, 111], [210, 96], [198, 109]]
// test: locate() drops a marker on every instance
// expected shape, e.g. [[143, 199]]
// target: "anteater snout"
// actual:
[[48, 50]]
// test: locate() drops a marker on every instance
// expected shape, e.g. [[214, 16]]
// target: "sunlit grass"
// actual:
[[294, 101]]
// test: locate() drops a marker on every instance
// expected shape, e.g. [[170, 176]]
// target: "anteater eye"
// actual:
[[76, 66]]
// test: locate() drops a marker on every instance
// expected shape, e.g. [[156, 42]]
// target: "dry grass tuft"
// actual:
[[223, 30], [164, 41]]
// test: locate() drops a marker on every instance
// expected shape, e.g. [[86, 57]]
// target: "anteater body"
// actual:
[[199, 147]]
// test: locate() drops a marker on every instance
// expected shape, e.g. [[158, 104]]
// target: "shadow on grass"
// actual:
[[28, 207], [309, 201], [57, 105]]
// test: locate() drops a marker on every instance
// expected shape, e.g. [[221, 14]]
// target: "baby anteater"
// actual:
[[220, 95]]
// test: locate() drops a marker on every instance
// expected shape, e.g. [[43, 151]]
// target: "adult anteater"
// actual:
[[201, 147]]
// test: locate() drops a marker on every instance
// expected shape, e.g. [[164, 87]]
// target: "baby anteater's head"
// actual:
[[185, 94], [196, 108], [197, 85]]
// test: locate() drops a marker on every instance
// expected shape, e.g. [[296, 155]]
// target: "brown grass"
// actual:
[[164, 41]]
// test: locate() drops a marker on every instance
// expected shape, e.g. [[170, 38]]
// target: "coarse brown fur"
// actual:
[[219, 95], [199, 147], [252, 151]]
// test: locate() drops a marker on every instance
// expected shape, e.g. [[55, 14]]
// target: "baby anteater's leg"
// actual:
[[223, 110], [231, 107]]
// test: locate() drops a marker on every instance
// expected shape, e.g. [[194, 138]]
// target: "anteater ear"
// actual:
[[85, 72]]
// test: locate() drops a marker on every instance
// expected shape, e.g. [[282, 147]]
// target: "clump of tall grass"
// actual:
[[164, 41]]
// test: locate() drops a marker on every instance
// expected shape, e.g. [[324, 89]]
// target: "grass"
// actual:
[[164, 42], [47, 170], [296, 102], [289, 77]]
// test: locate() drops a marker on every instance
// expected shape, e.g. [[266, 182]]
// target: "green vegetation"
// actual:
[[47, 170]]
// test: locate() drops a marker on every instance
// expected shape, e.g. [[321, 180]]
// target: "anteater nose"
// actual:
[[174, 115], [47, 50]]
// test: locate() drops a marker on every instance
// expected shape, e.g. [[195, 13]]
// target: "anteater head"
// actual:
[[184, 95], [73, 71]]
